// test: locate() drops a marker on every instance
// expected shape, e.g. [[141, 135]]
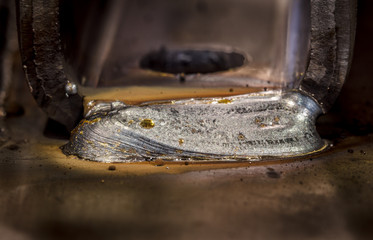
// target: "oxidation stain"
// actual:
[[272, 173], [112, 168], [159, 162]]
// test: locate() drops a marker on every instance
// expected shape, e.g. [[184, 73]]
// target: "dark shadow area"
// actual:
[[352, 114], [191, 61], [55, 130]]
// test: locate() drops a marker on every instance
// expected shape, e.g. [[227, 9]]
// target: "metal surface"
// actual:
[[241, 129], [333, 26], [236, 128], [47, 195], [331, 43], [43, 61]]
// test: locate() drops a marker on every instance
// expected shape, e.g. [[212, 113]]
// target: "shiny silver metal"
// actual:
[[250, 126], [246, 127]]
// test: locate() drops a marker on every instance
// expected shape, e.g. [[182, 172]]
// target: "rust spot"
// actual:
[[276, 119], [159, 162], [258, 120], [241, 136]]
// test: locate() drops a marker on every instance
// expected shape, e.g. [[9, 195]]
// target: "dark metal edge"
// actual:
[[43, 61], [333, 25]]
